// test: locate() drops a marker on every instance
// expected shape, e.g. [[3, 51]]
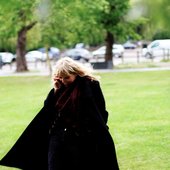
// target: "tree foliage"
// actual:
[[21, 18], [157, 14]]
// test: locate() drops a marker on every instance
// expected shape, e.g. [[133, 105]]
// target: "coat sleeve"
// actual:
[[105, 145], [100, 100]]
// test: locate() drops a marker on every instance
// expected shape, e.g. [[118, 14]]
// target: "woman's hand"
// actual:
[[56, 82]]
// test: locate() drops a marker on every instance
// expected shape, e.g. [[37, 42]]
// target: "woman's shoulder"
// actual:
[[51, 93], [49, 96], [90, 80]]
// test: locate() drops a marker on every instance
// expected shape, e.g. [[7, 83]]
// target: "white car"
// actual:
[[7, 57], [33, 56], [157, 48], [118, 51]]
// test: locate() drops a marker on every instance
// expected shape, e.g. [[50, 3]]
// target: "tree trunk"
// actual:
[[21, 48], [109, 54], [20, 51]]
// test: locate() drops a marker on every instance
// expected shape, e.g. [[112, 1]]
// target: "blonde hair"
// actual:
[[66, 66]]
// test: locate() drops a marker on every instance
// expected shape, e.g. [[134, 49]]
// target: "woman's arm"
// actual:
[[99, 100]]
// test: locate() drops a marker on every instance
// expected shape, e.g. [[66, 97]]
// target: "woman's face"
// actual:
[[67, 80]]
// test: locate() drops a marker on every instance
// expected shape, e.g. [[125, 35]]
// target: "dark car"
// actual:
[[80, 54], [129, 45]]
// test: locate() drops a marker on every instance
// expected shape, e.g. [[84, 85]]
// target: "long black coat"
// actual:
[[31, 149]]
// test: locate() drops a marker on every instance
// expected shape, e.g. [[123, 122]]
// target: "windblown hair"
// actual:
[[66, 66]]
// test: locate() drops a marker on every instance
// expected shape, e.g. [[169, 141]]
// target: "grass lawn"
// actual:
[[139, 114]]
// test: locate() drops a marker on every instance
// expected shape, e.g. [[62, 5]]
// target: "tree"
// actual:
[[86, 20], [21, 18], [7, 35], [24, 15], [156, 12], [64, 23], [21, 47], [109, 17], [70, 22]]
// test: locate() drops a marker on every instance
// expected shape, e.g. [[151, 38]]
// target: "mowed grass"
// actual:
[[139, 114]]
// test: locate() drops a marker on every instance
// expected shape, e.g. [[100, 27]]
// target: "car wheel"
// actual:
[[148, 55], [116, 55]]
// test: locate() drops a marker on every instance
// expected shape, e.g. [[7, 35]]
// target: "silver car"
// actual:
[[117, 50]]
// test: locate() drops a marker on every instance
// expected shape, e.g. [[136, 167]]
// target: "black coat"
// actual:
[[31, 149]]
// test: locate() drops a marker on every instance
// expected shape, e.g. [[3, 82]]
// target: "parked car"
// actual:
[[157, 48], [80, 45], [118, 51], [33, 56], [129, 45], [53, 53], [7, 57], [80, 54]]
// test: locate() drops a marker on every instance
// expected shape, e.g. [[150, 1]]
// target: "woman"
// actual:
[[70, 131]]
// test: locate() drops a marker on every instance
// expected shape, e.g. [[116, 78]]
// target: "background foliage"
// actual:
[[64, 23]]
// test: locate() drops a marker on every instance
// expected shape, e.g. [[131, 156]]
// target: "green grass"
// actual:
[[139, 114]]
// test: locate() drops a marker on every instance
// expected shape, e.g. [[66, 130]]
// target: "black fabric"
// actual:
[[25, 153], [71, 152], [30, 152], [31, 149]]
